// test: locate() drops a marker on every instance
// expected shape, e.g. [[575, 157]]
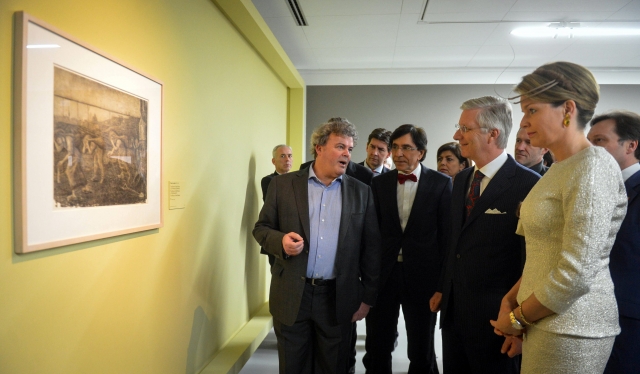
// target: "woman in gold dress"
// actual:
[[564, 300]]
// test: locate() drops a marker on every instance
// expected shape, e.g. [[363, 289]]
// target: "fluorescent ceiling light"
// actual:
[[43, 46], [571, 29]]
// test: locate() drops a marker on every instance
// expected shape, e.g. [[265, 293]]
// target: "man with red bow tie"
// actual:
[[412, 203]]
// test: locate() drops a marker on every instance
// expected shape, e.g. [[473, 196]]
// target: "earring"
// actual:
[[566, 121]]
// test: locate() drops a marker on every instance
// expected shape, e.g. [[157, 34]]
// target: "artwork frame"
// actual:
[[87, 141]]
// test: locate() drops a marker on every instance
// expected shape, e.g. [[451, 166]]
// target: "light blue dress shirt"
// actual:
[[325, 206]]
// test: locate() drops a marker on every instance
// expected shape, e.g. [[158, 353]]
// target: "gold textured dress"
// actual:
[[570, 220]]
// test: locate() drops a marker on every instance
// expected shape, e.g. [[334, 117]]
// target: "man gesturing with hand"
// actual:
[[321, 227]]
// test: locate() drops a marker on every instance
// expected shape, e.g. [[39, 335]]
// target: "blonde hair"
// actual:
[[557, 82]]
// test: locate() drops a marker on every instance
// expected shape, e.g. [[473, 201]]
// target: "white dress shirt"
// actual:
[[489, 170], [406, 194], [628, 172], [375, 171]]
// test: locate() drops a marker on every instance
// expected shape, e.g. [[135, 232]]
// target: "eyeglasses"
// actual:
[[405, 148], [465, 129]]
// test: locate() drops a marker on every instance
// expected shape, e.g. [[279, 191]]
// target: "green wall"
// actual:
[[163, 301]]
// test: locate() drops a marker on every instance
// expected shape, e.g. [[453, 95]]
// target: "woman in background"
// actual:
[[450, 160], [564, 300]]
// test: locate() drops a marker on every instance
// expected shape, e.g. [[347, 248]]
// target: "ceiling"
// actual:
[[351, 42]]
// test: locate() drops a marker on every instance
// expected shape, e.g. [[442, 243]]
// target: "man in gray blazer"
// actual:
[[321, 227]]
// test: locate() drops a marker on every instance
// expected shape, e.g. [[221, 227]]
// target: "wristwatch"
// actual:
[[514, 322]]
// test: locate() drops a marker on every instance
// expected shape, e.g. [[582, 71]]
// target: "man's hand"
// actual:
[[434, 303], [512, 346], [361, 312], [292, 244]]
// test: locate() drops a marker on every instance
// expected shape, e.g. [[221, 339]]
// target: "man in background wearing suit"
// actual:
[[413, 208], [361, 173], [619, 133], [282, 160], [321, 227], [485, 254], [378, 150], [528, 155]]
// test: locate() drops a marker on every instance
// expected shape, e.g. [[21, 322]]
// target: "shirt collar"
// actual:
[[417, 171], [628, 172], [312, 175], [378, 169], [490, 169]]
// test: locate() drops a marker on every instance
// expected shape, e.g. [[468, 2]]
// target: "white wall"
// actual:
[[433, 107]]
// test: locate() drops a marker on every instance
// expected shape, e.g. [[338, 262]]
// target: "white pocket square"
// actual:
[[494, 211]]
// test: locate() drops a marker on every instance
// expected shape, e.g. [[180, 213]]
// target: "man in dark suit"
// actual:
[[321, 227], [528, 155], [378, 150], [413, 208], [619, 133], [282, 159], [485, 256]]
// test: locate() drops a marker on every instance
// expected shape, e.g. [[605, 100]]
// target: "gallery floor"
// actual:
[[265, 358]]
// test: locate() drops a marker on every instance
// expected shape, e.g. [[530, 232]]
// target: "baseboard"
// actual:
[[232, 358]]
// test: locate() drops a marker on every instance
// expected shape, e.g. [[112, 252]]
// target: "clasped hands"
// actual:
[[512, 345]]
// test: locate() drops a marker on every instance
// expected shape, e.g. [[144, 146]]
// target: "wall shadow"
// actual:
[[201, 346], [254, 269]]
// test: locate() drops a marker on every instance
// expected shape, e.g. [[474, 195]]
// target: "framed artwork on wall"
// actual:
[[87, 142]]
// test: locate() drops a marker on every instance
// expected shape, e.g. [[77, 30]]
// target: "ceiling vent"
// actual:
[[424, 11], [296, 11]]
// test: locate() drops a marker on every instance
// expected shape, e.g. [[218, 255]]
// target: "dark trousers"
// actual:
[[625, 356], [354, 339], [382, 326], [469, 344], [316, 343]]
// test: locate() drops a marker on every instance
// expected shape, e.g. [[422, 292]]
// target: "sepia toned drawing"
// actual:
[[100, 143]]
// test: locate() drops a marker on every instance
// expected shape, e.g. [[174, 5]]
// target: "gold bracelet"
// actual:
[[523, 317]]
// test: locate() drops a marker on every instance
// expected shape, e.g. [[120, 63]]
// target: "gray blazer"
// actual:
[[286, 209]]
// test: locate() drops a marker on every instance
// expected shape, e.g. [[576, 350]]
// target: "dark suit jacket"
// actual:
[[264, 183], [384, 168], [625, 254], [485, 254], [285, 210], [424, 239], [361, 173], [540, 168]]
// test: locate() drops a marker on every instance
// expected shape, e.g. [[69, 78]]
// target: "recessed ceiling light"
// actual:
[[30, 46], [570, 30]]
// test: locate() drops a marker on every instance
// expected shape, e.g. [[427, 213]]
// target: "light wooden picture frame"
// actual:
[[87, 142]]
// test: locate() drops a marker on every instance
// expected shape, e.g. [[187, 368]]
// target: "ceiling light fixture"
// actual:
[[570, 30], [34, 46]]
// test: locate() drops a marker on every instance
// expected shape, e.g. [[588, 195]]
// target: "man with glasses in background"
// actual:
[[485, 256], [412, 203]]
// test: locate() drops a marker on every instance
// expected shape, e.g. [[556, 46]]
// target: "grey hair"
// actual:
[[337, 126], [495, 113], [273, 153]]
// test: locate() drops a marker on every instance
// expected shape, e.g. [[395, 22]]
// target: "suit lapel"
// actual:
[[301, 193], [424, 184], [633, 186], [498, 184], [458, 198], [348, 194], [391, 190]]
